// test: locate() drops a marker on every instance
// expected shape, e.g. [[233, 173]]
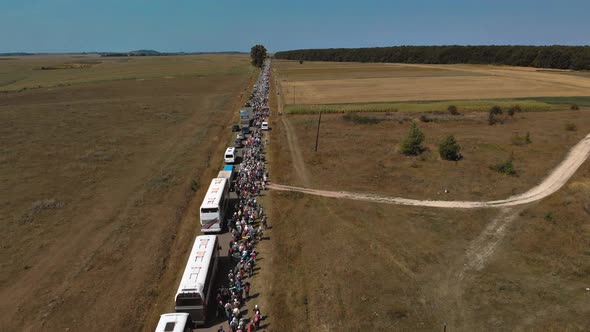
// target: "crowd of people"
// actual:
[[248, 222]]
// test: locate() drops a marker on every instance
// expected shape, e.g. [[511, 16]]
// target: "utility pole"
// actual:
[[317, 137]]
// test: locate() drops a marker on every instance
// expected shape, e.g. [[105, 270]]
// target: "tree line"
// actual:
[[559, 57]]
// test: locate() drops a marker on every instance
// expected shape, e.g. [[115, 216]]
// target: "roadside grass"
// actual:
[[578, 100], [527, 105]]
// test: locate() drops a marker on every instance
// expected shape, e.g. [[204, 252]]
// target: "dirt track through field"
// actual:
[[556, 179], [296, 154]]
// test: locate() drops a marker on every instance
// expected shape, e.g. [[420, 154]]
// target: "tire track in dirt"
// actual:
[[296, 156], [488, 240], [450, 287]]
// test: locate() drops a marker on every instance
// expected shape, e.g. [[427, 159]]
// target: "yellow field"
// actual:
[[329, 83]]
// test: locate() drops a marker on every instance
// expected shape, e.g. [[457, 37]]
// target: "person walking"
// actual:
[[234, 324], [247, 290], [264, 224], [220, 309], [257, 320]]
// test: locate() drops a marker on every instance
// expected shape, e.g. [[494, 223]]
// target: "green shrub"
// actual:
[[412, 144], [449, 149], [575, 107], [513, 110], [495, 111], [195, 185], [549, 216], [519, 140], [453, 110], [570, 126], [527, 138], [424, 118], [359, 119], [506, 167]]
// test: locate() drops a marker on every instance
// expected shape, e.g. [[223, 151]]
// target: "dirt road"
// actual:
[[556, 179]]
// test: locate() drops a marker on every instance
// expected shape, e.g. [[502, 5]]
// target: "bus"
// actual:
[[215, 205], [246, 116], [194, 292], [176, 322], [228, 173]]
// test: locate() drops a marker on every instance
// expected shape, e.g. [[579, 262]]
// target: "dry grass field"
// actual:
[[365, 266], [366, 157], [31, 72], [98, 178], [359, 266], [328, 83]]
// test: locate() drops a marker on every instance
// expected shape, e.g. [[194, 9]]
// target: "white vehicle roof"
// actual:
[[230, 150], [195, 272], [172, 322], [224, 174], [214, 193]]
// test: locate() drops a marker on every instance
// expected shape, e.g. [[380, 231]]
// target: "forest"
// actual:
[[558, 57]]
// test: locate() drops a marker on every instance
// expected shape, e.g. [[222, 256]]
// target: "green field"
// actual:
[[33, 72], [531, 104]]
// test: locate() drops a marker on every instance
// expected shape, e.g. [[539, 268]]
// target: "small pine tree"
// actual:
[[511, 112], [300, 61], [412, 145], [449, 149]]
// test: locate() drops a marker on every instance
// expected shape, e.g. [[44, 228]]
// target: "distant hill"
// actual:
[[16, 54], [156, 53], [145, 52], [130, 53]]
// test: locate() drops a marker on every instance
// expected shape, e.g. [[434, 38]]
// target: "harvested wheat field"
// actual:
[[329, 83], [99, 172], [355, 265]]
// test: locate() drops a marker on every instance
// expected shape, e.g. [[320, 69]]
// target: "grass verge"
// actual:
[[526, 104]]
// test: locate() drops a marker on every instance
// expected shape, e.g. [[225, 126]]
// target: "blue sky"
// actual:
[[223, 25]]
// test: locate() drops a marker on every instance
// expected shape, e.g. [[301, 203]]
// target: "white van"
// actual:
[[230, 155], [264, 126]]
